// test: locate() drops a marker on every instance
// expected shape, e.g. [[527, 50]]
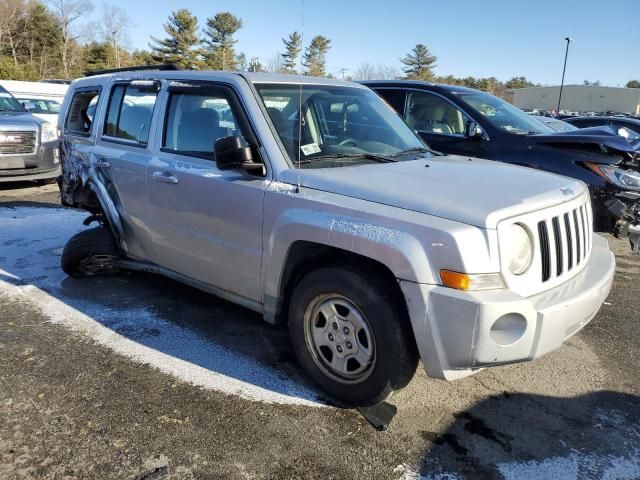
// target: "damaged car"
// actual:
[[312, 202], [464, 121]]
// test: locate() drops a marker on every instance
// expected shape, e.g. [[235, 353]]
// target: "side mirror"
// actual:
[[234, 153], [473, 130], [29, 106]]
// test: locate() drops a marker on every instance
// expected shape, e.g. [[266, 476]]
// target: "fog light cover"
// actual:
[[508, 329]]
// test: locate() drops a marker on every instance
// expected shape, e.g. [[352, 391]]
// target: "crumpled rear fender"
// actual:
[[80, 175]]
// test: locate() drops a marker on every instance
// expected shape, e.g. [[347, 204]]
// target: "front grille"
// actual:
[[17, 142], [573, 242]]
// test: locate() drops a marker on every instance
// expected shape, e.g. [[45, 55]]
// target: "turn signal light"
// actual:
[[466, 281]]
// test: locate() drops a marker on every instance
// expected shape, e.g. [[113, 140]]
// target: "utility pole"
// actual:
[[343, 71], [566, 54]]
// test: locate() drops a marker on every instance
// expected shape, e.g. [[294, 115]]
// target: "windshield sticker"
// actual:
[[310, 149]]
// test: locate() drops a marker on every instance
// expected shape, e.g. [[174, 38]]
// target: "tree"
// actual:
[[68, 12], [365, 71], [633, 84], [180, 47], [592, 84], [219, 41], [518, 82], [275, 64], [315, 56], [419, 63], [115, 30], [292, 46]]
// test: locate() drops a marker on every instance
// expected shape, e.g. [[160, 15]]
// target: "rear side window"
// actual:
[[195, 121], [82, 110], [130, 111]]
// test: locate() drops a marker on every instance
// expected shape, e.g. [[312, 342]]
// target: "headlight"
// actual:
[[49, 133], [626, 179], [515, 241]]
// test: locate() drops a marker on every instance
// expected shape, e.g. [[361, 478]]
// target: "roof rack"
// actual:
[[163, 66]]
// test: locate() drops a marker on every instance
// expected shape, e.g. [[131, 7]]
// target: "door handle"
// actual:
[[164, 177], [102, 164]]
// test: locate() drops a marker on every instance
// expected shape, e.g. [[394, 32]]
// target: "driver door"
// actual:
[[441, 124], [206, 223]]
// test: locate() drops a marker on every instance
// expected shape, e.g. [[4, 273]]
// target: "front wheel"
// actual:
[[351, 335]]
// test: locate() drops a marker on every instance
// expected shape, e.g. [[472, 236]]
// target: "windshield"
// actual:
[[340, 125], [503, 115], [8, 103]]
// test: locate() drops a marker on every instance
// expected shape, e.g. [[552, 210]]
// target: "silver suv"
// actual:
[[311, 202], [28, 145]]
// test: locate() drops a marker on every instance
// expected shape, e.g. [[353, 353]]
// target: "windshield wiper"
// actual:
[[415, 150], [350, 156]]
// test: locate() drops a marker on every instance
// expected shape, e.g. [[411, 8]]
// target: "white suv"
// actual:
[[310, 201]]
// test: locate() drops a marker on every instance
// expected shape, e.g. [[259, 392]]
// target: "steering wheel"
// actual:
[[348, 141]]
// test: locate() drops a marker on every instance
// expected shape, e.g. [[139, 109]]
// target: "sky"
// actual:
[[470, 38]]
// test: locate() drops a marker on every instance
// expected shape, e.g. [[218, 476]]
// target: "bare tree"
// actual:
[[275, 64], [114, 29], [68, 13], [365, 71], [386, 72], [11, 11]]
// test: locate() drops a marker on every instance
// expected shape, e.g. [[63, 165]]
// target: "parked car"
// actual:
[[315, 205], [28, 145], [555, 124], [463, 121], [622, 124], [42, 108]]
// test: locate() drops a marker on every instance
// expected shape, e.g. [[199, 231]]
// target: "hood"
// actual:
[[472, 191], [21, 118], [600, 139]]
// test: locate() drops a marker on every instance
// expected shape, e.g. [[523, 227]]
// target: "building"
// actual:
[[579, 98]]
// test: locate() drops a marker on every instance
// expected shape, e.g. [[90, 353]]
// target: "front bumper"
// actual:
[[460, 332], [43, 164]]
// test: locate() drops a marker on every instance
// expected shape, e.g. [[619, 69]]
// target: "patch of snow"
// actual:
[[31, 240]]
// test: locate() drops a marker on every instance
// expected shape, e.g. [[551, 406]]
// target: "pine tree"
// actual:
[[292, 45], [219, 41], [419, 63], [180, 47], [314, 57]]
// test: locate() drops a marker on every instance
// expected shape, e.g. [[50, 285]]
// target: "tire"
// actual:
[[90, 252], [378, 357]]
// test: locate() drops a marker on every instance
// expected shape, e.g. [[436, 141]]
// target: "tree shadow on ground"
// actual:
[[524, 436]]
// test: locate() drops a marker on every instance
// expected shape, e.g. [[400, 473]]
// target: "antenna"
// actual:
[[300, 94]]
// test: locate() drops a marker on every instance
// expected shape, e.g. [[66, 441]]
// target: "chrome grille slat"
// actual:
[[15, 142]]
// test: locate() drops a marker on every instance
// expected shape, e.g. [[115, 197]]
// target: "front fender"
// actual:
[[401, 252]]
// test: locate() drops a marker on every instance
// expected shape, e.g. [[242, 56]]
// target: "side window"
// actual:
[[194, 121], [433, 114], [395, 98], [81, 112], [130, 111]]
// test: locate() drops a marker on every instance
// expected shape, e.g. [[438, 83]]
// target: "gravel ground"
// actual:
[[116, 377]]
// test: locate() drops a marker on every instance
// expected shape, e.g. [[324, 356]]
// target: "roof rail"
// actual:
[[163, 66]]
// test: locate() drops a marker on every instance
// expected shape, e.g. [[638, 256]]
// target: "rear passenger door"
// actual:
[[123, 152], [206, 223]]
